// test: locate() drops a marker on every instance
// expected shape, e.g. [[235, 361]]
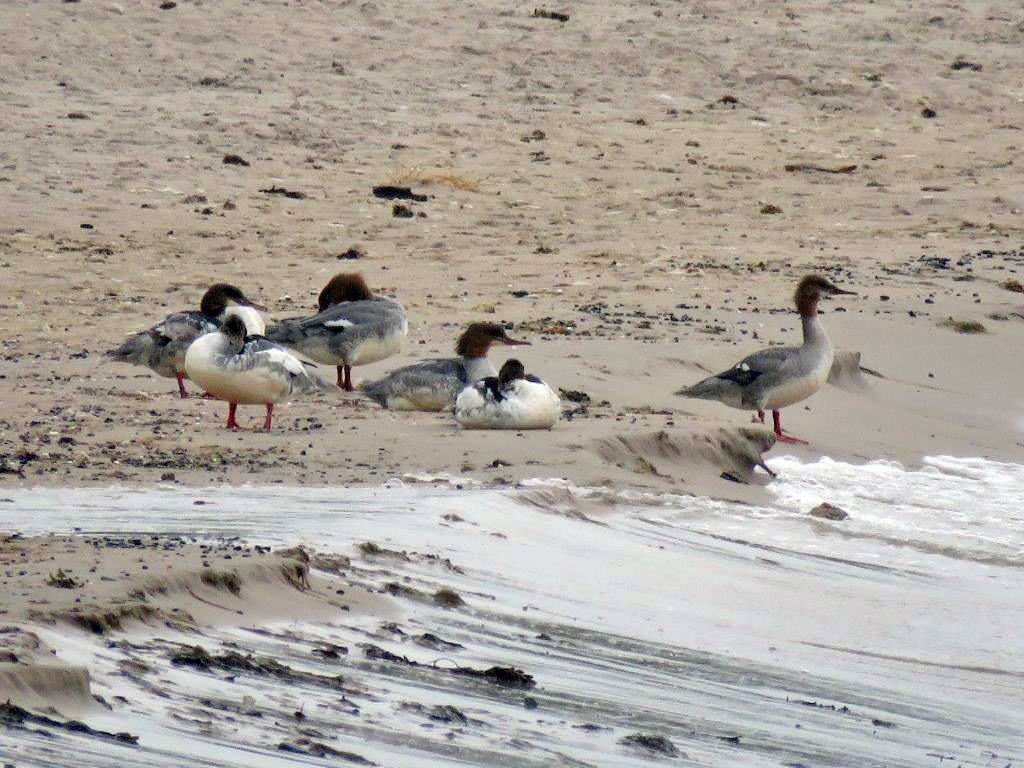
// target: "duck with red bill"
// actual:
[[778, 377], [162, 348], [433, 385]]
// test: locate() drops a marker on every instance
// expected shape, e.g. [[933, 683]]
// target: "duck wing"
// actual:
[[162, 347], [259, 353], [443, 378], [350, 318], [185, 326], [729, 386], [752, 367]]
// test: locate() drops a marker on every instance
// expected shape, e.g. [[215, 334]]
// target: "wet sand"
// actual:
[[601, 183], [108, 584], [521, 629]]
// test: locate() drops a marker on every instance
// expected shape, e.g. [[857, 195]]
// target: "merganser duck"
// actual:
[[162, 348], [433, 385], [247, 370], [513, 399], [353, 327], [779, 376]]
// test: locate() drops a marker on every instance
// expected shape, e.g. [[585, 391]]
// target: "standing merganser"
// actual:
[[162, 348], [512, 400], [353, 327], [779, 376], [247, 370], [433, 385]]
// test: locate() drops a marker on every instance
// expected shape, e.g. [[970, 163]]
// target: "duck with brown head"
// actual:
[[353, 327], [777, 377], [162, 348], [433, 385]]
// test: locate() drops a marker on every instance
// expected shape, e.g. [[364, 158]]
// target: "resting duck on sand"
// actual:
[[247, 370], [433, 385], [511, 400], [779, 376], [353, 327], [162, 348]]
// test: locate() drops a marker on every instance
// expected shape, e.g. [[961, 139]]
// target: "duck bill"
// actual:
[[253, 304], [843, 292], [515, 343]]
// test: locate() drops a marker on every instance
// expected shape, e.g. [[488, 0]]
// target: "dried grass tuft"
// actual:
[[443, 177]]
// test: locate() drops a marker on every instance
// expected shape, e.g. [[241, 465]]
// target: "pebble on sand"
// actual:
[[828, 511]]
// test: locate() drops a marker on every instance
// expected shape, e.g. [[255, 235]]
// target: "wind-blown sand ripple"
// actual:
[[716, 625]]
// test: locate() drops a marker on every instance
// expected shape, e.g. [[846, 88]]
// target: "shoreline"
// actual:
[[434, 627]]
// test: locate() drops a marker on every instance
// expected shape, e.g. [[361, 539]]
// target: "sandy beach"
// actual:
[[628, 244], [636, 190]]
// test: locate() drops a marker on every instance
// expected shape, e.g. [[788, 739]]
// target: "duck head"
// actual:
[[233, 328], [810, 291], [347, 286], [511, 371], [220, 296], [478, 338]]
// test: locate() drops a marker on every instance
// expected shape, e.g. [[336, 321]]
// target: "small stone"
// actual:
[[448, 598], [828, 511], [543, 13], [962, 63], [446, 713], [650, 742]]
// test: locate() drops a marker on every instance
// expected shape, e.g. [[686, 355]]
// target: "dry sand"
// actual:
[[649, 252], [618, 168]]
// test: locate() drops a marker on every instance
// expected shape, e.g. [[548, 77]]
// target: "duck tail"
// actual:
[[135, 349], [279, 333], [323, 385], [708, 389], [313, 382]]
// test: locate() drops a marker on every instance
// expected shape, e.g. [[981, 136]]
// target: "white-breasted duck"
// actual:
[[433, 385], [513, 399], [243, 369], [162, 348], [779, 376], [353, 327]]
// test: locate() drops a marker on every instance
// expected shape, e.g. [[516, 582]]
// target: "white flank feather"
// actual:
[[526, 405]]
